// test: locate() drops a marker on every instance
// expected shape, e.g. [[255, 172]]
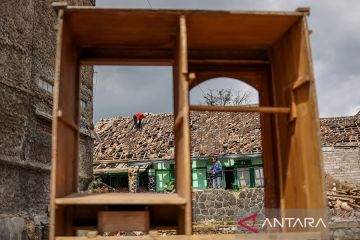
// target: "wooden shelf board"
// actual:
[[121, 199]]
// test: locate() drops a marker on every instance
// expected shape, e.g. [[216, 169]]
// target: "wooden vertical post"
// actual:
[[65, 128], [182, 129], [268, 143], [300, 177]]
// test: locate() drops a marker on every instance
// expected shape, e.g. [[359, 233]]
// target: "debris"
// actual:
[[212, 133], [347, 198], [97, 186]]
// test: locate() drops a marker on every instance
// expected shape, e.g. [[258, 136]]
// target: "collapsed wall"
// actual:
[[27, 63], [343, 163]]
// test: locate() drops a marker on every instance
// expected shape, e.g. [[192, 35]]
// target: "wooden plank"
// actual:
[[161, 56], [67, 90], [229, 61], [165, 62], [268, 142], [65, 148], [300, 161], [104, 10], [182, 128], [119, 221], [228, 54], [126, 62], [154, 28], [55, 124], [257, 236], [67, 121], [126, 56], [121, 199], [274, 110], [65, 135]]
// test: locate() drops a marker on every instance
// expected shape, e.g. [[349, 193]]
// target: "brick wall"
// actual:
[[342, 163]]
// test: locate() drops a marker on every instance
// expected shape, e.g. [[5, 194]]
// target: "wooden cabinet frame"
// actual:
[[267, 50]]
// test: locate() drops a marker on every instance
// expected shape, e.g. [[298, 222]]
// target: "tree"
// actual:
[[225, 97]]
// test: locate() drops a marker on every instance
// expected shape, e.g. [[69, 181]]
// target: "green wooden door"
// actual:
[[199, 179]]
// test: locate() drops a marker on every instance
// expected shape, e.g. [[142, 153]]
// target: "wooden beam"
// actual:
[[300, 160], [65, 132], [126, 62], [182, 129], [274, 110], [161, 56], [66, 120], [121, 199], [229, 61], [55, 125], [126, 56]]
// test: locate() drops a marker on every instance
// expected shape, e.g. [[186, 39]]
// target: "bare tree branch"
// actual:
[[225, 97]]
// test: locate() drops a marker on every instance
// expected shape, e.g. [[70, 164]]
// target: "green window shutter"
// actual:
[[162, 177], [199, 178], [243, 176], [259, 176], [252, 177], [172, 172], [236, 181]]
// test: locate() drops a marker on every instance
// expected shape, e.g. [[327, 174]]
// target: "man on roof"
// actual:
[[137, 119]]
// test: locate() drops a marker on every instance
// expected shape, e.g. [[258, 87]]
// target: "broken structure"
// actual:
[[234, 137]]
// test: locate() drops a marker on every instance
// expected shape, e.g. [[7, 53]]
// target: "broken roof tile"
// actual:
[[211, 133]]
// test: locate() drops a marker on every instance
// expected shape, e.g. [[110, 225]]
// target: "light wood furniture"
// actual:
[[116, 221], [267, 50]]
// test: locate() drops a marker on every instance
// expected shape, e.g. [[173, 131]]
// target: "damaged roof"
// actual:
[[212, 133], [340, 130]]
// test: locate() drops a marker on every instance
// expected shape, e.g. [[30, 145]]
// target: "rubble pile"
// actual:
[[347, 198], [97, 186]]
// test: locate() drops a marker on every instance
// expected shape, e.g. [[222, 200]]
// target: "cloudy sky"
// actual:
[[335, 42]]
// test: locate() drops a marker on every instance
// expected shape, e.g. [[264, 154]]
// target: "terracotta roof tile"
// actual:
[[212, 133]]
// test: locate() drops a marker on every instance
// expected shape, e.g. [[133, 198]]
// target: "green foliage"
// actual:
[[169, 186]]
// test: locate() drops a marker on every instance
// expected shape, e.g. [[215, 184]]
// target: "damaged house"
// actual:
[[143, 160]]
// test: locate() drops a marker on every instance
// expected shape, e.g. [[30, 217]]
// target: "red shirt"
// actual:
[[139, 115]]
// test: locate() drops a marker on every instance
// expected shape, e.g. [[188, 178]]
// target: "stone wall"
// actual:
[[224, 205], [342, 163], [217, 211], [344, 229], [27, 57]]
